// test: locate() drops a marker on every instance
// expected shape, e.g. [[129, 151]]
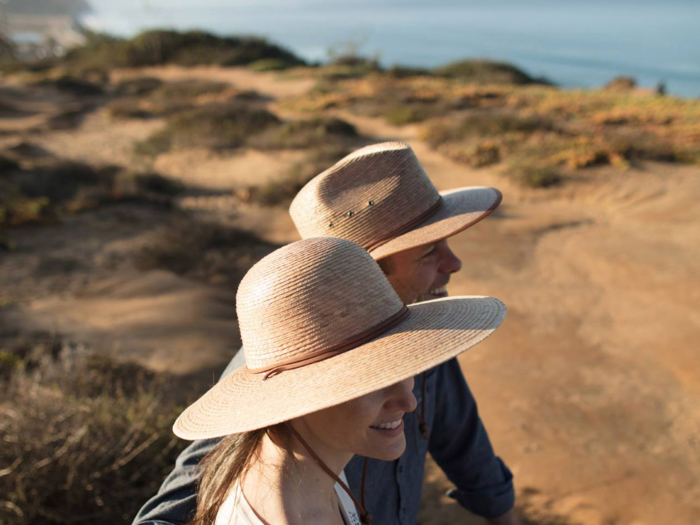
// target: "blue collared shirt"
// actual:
[[458, 443]]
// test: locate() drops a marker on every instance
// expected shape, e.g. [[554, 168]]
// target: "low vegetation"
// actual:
[[151, 99], [212, 126], [160, 47], [281, 192], [307, 133], [85, 438], [485, 72], [42, 189], [207, 251]]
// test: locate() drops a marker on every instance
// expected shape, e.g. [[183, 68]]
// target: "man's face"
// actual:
[[421, 273]]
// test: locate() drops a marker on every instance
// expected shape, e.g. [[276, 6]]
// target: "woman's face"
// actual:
[[371, 425]]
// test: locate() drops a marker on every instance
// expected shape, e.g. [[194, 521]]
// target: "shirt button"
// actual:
[[400, 469]]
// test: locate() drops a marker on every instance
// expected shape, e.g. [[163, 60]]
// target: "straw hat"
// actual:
[[381, 198], [322, 325]]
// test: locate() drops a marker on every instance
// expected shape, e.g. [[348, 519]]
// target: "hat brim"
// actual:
[[462, 208], [434, 332]]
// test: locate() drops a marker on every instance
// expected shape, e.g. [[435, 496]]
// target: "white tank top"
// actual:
[[237, 511]]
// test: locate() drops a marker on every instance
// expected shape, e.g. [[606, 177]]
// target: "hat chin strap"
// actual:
[[365, 516]]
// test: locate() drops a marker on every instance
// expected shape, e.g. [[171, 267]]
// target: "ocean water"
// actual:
[[573, 43]]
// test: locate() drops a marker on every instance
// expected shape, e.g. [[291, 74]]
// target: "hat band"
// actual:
[[405, 228], [348, 344]]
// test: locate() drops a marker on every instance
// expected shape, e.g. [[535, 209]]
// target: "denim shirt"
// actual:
[[458, 443]]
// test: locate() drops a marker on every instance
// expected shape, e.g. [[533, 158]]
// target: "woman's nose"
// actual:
[[404, 398]]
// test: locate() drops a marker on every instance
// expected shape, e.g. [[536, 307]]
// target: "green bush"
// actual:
[[137, 86], [42, 193], [281, 192], [483, 125], [407, 72], [158, 47], [484, 72], [308, 133], [72, 85], [536, 176], [410, 113], [214, 126], [127, 108], [271, 64], [204, 250]]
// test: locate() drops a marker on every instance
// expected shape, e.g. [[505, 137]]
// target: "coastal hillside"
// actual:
[[139, 182]]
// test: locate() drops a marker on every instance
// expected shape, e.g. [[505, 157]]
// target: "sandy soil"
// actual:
[[590, 390]]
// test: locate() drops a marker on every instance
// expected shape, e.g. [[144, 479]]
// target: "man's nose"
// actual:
[[449, 262]]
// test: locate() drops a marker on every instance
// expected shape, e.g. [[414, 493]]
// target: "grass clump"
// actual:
[[212, 126], [85, 438], [159, 47], [165, 98], [485, 72], [75, 86], [536, 176], [128, 108], [271, 64], [484, 125], [42, 192], [281, 192], [401, 115], [308, 133], [137, 86], [206, 251]]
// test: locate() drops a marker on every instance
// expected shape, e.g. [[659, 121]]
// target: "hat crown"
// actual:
[[365, 196], [309, 296]]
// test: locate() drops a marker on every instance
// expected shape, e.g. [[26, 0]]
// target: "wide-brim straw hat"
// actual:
[[321, 325], [381, 198]]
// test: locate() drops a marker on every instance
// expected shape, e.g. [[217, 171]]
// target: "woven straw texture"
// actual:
[[313, 294], [370, 196]]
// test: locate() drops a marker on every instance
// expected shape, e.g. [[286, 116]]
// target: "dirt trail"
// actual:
[[590, 390]]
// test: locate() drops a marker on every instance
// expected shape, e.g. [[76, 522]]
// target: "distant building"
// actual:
[[42, 33]]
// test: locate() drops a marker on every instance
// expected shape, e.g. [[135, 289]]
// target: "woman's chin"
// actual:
[[388, 451]]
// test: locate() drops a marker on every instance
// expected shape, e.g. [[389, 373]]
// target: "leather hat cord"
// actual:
[[364, 515]]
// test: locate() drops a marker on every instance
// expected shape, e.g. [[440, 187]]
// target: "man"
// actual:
[[380, 198]]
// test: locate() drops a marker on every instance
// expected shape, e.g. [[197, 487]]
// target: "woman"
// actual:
[[330, 351]]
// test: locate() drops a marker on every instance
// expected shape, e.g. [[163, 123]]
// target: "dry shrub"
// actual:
[[485, 72], [213, 126], [128, 108], [535, 175], [479, 155], [49, 187], [403, 114], [102, 53], [481, 125], [630, 116], [85, 439], [206, 251], [281, 192], [75, 86], [621, 84], [270, 64], [308, 133], [137, 86], [148, 99]]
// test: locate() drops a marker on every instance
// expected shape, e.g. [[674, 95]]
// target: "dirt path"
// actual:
[[590, 389]]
